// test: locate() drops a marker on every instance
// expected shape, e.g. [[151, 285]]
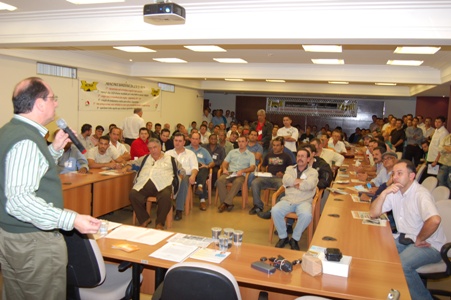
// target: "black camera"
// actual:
[[281, 263], [333, 254]]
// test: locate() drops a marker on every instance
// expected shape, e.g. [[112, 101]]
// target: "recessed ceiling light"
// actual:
[[322, 48], [170, 60], [233, 79], [405, 62], [130, 59], [416, 50], [328, 61], [4, 6], [134, 49], [338, 82], [385, 83], [205, 48], [231, 60], [275, 80], [93, 1]]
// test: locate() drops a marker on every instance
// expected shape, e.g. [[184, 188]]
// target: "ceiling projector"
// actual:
[[167, 13]]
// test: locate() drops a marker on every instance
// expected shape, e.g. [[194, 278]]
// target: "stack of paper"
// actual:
[[139, 234]]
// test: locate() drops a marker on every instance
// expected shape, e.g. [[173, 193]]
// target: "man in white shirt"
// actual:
[[434, 154], [330, 156], [290, 134], [428, 130], [335, 142], [85, 136], [114, 142], [206, 116], [189, 163], [132, 124], [104, 156], [204, 134]]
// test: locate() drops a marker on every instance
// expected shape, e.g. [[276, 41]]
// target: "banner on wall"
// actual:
[[110, 95]]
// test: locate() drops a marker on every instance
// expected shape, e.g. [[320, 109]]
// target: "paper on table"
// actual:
[[111, 172], [173, 252], [366, 215], [140, 235], [210, 255], [111, 226], [190, 240]]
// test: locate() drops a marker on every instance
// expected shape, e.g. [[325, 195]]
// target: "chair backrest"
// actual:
[[444, 209], [85, 267], [420, 172], [440, 193], [199, 281], [430, 183]]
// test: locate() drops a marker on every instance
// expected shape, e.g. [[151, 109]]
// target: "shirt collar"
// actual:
[[42, 130]]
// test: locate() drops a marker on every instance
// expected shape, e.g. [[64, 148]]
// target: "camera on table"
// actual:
[[333, 254]]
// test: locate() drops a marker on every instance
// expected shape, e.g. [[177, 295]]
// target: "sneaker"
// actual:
[[178, 215], [203, 206], [264, 215], [282, 242], [294, 244], [255, 210]]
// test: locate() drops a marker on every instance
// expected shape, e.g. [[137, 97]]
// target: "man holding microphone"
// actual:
[[33, 253]]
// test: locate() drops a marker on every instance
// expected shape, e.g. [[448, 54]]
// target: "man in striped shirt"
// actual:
[[33, 253]]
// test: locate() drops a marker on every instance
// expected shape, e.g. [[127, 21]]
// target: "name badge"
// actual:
[[260, 132], [214, 156], [200, 155]]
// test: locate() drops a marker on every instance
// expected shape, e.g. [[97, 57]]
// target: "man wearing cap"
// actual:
[[388, 160]]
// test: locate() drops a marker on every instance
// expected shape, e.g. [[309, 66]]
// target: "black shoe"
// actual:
[[294, 244], [178, 215], [289, 229], [255, 210], [282, 242], [264, 214]]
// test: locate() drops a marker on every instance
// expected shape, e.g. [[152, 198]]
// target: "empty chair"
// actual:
[[430, 183], [440, 193], [420, 172], [441, 269], [88, 277], [197, 281]]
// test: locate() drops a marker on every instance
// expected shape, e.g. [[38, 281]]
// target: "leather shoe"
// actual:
[[159, 227], [203, 206], [178, 215], [264, 215], [294, 245], [199, 189], [255, 210], [230, 207], [282, 242], [222, 207], [146, 222]]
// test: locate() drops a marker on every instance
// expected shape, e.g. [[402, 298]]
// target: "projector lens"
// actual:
[[167, 9]]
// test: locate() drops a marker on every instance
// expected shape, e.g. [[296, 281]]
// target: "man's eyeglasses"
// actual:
[[54, 98]]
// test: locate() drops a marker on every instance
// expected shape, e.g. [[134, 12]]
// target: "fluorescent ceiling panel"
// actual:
[[233, 79], [205, 48], [134, 49], [231, 60], [4, 6], [322, 48], [405, 62], [93, 1], [328, 61], [338, 82], [275, 80], [171, 60], [416, 50], [385, 83]]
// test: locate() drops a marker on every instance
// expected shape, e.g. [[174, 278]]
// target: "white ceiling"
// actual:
[[267, 34]]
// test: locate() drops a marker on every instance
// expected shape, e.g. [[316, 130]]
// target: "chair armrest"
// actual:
[[444, 254], [277, 194], [124, 266]]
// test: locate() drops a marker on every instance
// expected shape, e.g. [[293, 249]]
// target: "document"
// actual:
[[210, 255], [139, 234], [433, 170], [174, 252], [234, 174], [110, 173], [263, 174], [190, 240]]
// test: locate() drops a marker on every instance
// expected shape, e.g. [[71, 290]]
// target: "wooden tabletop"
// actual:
[[74, 180]]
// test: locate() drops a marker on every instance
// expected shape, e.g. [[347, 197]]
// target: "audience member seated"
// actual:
[[336, 143], [217, 153], [235, 166], [166, 143], [254, 147], [356, 136], [300, 186], [233, 139], [114, 142], [307, 136], [139, 146], [331, 157], [97, 134], [223, 142], [275, 162], [85, 137], [205, 162], [157, 131], [72, 160], [104, 156], [204, 134], [154, 179], [189, 163]]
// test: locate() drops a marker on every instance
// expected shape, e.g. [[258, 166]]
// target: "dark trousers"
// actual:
[[201, 178], [413, 153], [128, 141], [138, 200]]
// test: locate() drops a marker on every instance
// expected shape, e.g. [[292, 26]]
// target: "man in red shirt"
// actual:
[[264, 130], [139, 146]]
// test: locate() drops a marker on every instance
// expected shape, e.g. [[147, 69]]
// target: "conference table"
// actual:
[[94, 193]]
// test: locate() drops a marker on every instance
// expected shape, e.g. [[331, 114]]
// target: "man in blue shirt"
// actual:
[[205, 163]]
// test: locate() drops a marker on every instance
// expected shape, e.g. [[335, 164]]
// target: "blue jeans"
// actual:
[[263, 183], [411, 259], [304, 212], [181, 195], [443, 176]]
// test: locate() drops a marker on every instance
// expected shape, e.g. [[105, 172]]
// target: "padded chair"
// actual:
[[440, 193], [315, 214], [420, 172], [441, 269], [191, 191], [244, 190], [169, 217], [88, 277], [430, 183], [197, 281]]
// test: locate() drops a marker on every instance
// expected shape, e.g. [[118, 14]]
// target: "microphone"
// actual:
[[62, 124]]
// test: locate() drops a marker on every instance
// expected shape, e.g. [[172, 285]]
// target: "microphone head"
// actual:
[[61, 123]]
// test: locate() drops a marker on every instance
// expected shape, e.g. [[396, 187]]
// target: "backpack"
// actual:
[[176, 178]]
